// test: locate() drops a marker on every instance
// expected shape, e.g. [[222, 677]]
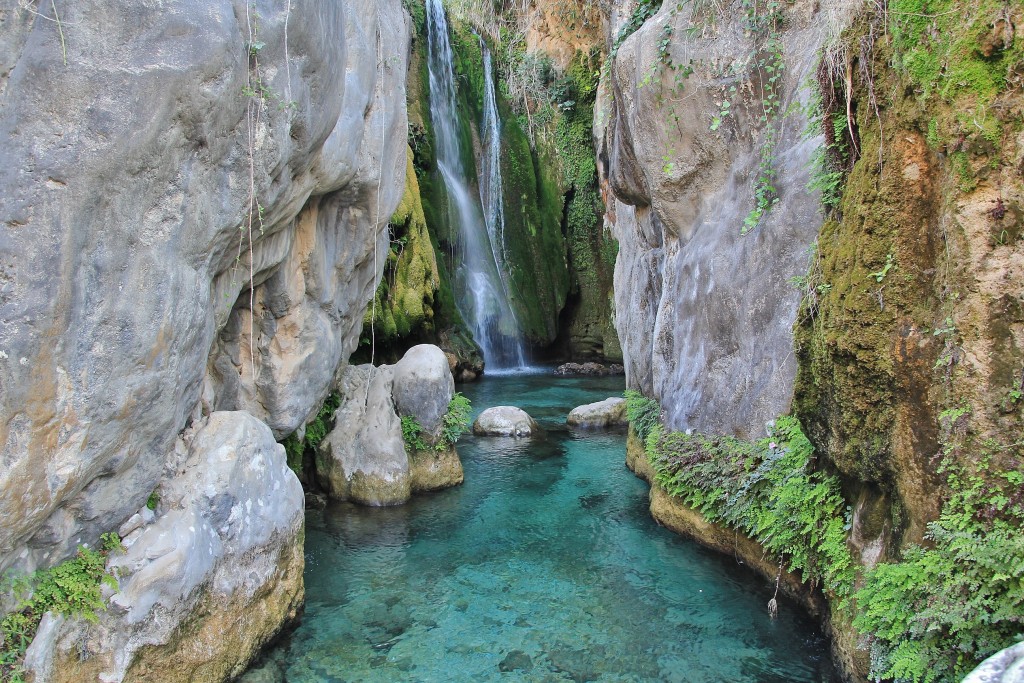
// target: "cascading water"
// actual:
[[480, 282]]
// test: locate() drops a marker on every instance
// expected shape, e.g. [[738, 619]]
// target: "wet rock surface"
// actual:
[[589, 369]]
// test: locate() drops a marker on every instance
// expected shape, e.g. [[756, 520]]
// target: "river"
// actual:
[[543, 566]]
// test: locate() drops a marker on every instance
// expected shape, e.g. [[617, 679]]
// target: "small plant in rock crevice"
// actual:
[[454, 424], [72, 589], [297, 449]]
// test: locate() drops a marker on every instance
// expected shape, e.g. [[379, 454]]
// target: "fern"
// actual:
[[642, 412], [72, 588], [412, 432], [768, 491], [456, 421], [454, 424], [941, 610]]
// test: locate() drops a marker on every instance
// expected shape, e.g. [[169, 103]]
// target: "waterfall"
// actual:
[[480, 270]]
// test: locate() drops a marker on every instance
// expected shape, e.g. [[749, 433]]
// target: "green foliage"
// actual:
[[770, 67], [412, 432], [323, 422], [830, 162], [880, 275], [153, 500], [961, 54], [297, 449], [454, 424], [456, 421], [645, 9], [766, 490], [418, 11], [294, 450], [72, 588], [943, 609], [643, 413]]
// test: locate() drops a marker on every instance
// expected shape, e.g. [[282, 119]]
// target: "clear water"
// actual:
[[544, 566]]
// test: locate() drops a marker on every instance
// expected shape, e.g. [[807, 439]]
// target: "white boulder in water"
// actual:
[[504, 421], [610, 412]]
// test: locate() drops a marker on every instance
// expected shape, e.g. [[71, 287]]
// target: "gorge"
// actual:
[[249, 248]]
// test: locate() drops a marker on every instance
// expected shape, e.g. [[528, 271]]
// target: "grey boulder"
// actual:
[[504, 421], [423, 386], [610, 412], [363, 459], [205, 584], [1006, 666]]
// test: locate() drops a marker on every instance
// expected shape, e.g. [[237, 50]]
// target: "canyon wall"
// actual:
[[194, 208], [819, 213], [703, 303]]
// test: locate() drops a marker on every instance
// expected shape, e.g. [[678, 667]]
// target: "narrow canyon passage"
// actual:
[[544, 566]]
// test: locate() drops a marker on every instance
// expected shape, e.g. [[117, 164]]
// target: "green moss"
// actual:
[[404, 304], [850, 377], [591, 250], [955, 51], [879, 346], [533, 237]]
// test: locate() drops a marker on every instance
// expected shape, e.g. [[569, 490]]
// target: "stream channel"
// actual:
[[545, 565]]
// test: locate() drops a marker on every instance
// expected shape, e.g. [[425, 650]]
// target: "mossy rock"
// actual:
[[404, 304]]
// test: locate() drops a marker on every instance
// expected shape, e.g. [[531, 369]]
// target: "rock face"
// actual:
[[194, 208], [705, 313], [504, 421], [364, 459], [610, 412], [134, 278], [1006, 666], [908, 342], [204, 585]]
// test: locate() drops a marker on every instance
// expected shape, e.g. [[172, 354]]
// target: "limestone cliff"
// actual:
[[703, 304], [193, 207], [847, 250]]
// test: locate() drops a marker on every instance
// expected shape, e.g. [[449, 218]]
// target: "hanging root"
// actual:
[[773, 604]]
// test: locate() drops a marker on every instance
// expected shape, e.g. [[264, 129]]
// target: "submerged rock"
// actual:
[[610, 412], [516, 660], [207, 583], [504, 421]]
